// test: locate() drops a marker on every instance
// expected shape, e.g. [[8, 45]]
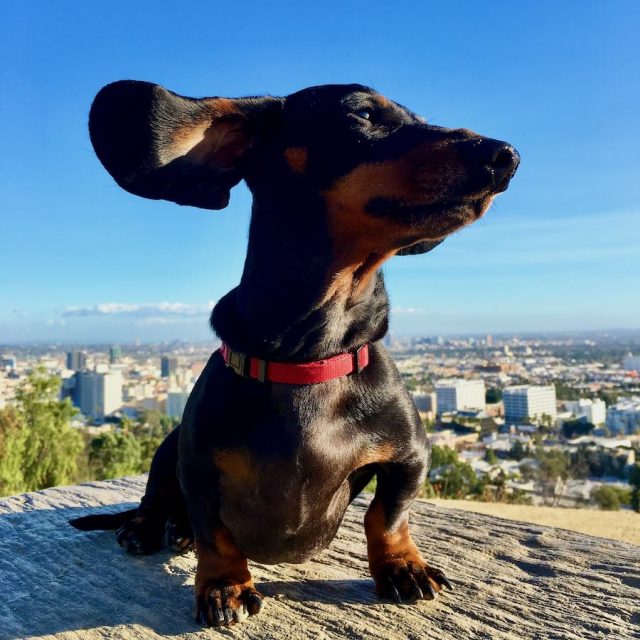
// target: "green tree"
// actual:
[[606, 498], [553, 464], [490, 456], [579, 462], [42, 436], [114, 454], [517, 451], [565, 392], [150, 430], [452, 478], [441, 456], [11, 448]]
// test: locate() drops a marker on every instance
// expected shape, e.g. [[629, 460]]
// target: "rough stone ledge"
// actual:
[[513, 580]]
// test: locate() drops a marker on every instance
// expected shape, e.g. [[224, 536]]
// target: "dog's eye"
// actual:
[[365, 114]]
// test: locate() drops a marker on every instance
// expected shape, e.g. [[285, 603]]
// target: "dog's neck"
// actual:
[[297, 300]]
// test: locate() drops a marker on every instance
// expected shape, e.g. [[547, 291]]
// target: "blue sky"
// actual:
[[83, 260]]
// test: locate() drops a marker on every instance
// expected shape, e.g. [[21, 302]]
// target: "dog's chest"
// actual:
[[284, 502]]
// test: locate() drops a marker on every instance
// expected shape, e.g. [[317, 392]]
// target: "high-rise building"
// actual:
[[77, 360], [115, 353], [97, 395], [594, 411], [459, 395], [526, 401], [168, 366]]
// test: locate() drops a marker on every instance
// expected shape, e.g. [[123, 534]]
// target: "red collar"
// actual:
[[298, 373]]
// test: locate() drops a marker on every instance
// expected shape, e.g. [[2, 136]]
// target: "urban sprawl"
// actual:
[[493, 400]]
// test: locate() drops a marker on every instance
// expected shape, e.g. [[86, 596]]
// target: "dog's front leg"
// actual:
[[225, 592], [396, 565]]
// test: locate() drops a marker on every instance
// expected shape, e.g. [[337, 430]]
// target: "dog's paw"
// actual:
[[221, 605], [178, 536], [405, 580], [140, 535]]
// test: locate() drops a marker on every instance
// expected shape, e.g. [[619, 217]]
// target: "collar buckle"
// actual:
[[238, 362]]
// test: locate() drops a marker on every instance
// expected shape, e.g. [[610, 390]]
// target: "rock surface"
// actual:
[[513, 580]]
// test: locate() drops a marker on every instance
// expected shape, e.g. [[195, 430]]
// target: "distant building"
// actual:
[[77, 360], [168, 366], [97, 395], [425, 401], [624, 416], [176, 402], [594, 411], [525, 401], [489, 340], [631, 362], [458, 395], [115, 353], [8, 363]]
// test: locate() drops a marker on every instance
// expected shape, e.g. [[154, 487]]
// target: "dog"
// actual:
[[302, 406]]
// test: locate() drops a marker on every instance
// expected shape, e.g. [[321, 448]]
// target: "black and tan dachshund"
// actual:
[[302, 406]]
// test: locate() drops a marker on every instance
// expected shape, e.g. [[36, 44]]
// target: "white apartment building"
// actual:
[[624, 416], [98, 394], [460, 395], [595, 411], [524, 401], [631, 363]]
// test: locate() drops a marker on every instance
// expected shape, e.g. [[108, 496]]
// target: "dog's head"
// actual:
[[388, 181]]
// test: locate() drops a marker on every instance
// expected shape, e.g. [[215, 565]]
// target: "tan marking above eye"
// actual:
[[382, 101], [296, 158]]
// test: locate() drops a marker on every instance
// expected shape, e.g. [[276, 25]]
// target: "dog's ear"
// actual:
[[419, 247], [160, 145]]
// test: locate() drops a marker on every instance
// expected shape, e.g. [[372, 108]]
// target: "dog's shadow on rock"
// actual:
[[54, 578], [338, 592]]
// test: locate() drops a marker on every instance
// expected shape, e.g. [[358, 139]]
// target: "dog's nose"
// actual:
[[502, 160]]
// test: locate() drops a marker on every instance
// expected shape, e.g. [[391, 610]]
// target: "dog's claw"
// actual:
[[409, 581], [225, 605], [254, 603], [417, 593], [140, 536], [395, 594], [444, 581], [432, 592], [178, 537]]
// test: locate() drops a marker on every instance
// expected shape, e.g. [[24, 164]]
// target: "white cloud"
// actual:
[[409, 310], [146, 310]]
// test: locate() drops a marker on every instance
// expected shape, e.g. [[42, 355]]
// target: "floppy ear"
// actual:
[[419, 247], [160, 145]]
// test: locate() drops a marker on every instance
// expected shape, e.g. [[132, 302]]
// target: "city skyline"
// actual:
[[87, 262]]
